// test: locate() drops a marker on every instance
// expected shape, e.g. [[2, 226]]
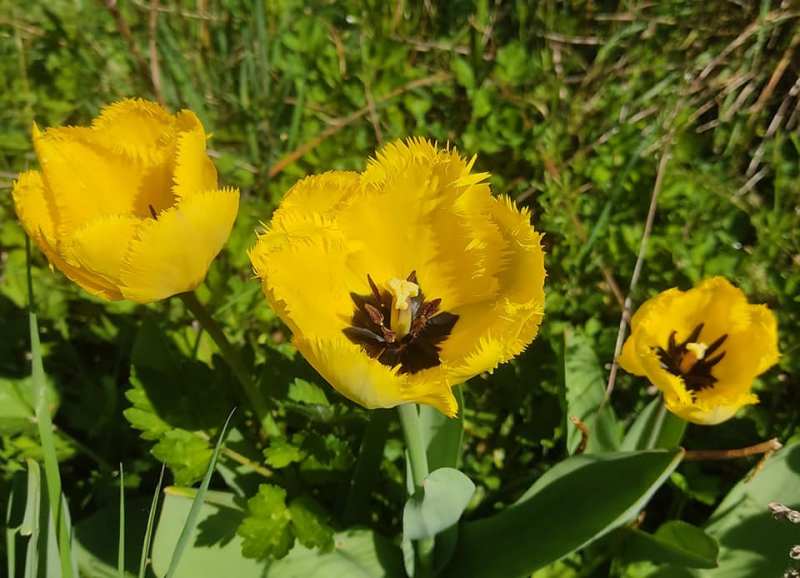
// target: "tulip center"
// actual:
[[397, 326], [692, 359]]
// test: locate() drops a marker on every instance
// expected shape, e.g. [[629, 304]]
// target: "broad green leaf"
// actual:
[[438, 505], [303, 391], [215, 550], [584, 387], [639, 434], [751, 542], [358, 553], [309, 524], [442, 435], [463, 72], [675, 542], [574, 503], [265, 531]]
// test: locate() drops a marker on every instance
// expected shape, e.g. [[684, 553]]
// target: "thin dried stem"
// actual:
[[637, 269]]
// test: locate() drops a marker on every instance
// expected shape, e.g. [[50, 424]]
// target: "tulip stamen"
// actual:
[[153, 212], [692, 359], [414, 330]]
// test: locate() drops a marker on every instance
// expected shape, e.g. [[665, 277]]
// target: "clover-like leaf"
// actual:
[[185, 453], [281, 453], [266, 531], [309, 524]]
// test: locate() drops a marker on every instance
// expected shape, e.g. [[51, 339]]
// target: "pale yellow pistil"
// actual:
[[402, 291], [694, 353]]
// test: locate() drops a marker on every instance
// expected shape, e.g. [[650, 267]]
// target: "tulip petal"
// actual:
[[87, 180], [34, 209], [194, 171], [101, 246], [305, 274], [422, 210], [489, 333], [172, 254], [136, 128], [370, 383]]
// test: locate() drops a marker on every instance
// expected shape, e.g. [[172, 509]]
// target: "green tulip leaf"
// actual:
[[675, 542], [584, 388], [438, 505], [751, 542], [638, 435], [574, 503], [442, 435]]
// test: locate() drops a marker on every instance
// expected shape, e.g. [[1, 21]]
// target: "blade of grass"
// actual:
[[121, 546], [45, 426], [151, 520], [194, 512]]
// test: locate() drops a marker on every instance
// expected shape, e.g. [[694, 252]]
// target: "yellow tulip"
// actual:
[[403, 280], [702, 348], [128, 208]]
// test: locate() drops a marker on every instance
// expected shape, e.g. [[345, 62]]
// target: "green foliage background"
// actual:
[[569, 105]]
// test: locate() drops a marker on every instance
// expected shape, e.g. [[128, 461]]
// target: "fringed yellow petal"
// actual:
[[423, 211], [368, 382], [711, 413], [34, 210], [510, 321], [86, 180], [306, 272], [135, 128], [172, 254], [101, 246], [315, 197], [194, 171]]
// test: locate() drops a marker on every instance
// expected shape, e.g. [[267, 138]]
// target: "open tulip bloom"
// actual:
[[403, 280], [129, 207], [702, 348]]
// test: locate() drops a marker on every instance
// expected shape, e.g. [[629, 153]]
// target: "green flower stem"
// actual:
[[418, 460], [231, 355]]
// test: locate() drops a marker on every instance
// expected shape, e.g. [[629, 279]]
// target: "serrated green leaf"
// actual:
[[306, 392], [265, 530], [281, 453], [185, 453], [309, 524]]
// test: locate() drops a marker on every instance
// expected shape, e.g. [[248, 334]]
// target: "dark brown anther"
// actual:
[[374, 314], [153, 212], [388, 334], [712, 362], [412, 277]]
